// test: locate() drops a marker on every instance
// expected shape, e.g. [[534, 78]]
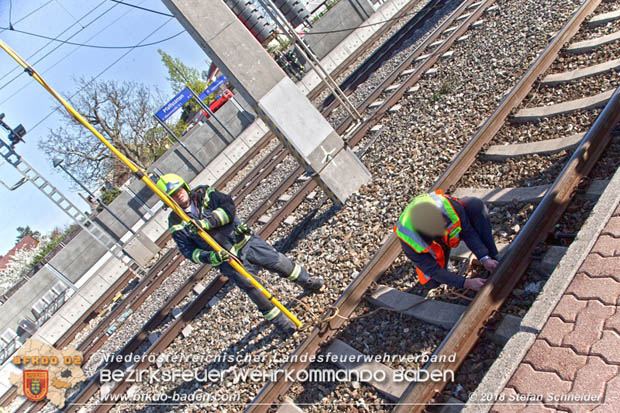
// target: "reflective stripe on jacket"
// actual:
[[407, 233]]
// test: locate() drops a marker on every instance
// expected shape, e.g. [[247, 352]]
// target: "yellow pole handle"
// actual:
[[233, 261]]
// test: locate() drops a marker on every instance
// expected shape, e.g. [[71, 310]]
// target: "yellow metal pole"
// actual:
[[233, 261]]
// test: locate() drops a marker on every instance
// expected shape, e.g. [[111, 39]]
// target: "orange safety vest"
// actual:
[[405, 231]]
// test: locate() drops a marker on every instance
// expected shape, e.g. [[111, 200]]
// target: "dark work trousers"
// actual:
[[479, 219], [256, 255]]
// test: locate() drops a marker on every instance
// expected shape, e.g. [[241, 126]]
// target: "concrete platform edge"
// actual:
[[517, 347]]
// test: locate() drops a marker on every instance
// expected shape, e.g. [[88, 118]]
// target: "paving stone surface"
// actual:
[[574, 363]]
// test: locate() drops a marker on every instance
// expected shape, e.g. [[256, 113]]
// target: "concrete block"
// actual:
[[551, 259], [198, 288], [450, 29], [474, 5], [395, 108], [431, 72], [463, 17], [436, 44], [302, 125], [375, 104], [596, 189], [422, 57], [141, 249], [413, 89], [187, 331], [263, 219], [285, 197], [219, 166], [462, 38], [345, 174], [74, 308], [491, 9], [407, 72], [93, 288], [478, 23], [377, 128], [288, 406], [549, 146], [53, 329], [290, 220], [311, 196], [504, 195], [391, 88], [439, 313], [153, 337], [236, 150], [344, 353], [448, 54]]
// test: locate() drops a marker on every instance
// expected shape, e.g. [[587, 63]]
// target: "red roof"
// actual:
[[27, 242]]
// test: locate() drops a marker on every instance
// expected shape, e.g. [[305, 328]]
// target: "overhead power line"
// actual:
[[143, 8], [108, 67], [97, 46], [29, 14]]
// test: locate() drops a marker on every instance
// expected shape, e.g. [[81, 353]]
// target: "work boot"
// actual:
[[313, 285], [284, 327]]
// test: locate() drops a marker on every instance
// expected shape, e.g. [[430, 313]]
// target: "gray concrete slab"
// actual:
[[517, 347], [436, 312], [344, 352], [92, 289], [288, 406], [604, 18], [538, 113], [589, 45], [550, 146], [532, 194], [557, 78]]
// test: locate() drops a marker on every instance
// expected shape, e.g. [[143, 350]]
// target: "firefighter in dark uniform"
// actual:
[[434, 223], [215, 212]]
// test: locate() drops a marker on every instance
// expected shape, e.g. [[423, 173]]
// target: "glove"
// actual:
[[243, 229], [217, 258], [203, 225]]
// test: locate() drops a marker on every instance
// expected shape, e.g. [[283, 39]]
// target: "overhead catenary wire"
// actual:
[[94, 46], [143, 176], [30, 14], [108, 67], [143, 8], [53, 65], [48, 43]]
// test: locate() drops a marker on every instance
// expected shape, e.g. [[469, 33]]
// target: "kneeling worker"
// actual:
[[434, 223], [215, 212]]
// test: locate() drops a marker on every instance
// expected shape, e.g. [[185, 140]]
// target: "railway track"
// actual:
[[239, 192], [304, 189], [464, 334], [97, 338]]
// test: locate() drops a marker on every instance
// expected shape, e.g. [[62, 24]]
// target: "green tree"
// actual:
[[180, 75], [23, 231], [122, 113]]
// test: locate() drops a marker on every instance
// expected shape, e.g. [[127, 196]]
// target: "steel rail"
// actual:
[[262, 173], [390, 249], [465, 334], [372, 62]]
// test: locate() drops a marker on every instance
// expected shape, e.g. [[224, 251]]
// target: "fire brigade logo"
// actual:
[[35, 384]]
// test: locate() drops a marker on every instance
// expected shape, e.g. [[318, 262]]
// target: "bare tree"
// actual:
[[123, 114]]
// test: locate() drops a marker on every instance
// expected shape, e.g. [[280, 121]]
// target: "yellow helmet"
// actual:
[[169, 184]]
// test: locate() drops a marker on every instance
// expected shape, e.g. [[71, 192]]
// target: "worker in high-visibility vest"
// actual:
[[434, 223], [215, 212]]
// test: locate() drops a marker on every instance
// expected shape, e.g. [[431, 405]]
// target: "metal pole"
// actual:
[[202, 104], [206, 107], [99, 201], [171, 133]]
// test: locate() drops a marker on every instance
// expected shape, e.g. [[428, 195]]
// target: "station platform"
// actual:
[[566, 355]]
